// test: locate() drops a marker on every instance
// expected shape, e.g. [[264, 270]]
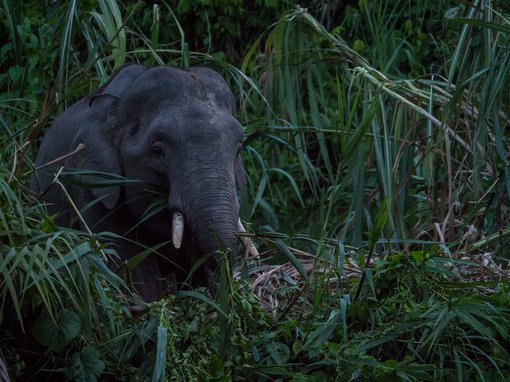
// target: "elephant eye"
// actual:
[[157, 154]]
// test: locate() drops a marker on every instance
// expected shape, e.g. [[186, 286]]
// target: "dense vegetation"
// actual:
[[377, 153]]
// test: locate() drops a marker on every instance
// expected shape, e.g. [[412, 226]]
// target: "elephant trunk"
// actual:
[[216, 226], [209, 240], [210, 208]]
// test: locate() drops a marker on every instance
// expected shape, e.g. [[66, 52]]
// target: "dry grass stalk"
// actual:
[[274, 283]]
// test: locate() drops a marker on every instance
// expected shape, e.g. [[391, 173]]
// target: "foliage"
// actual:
[[376, 148], [226, 27]]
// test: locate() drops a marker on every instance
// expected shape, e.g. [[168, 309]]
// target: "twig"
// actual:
[[297, 294], [363, 273], [76, 210], [15, 161], [78, 149]]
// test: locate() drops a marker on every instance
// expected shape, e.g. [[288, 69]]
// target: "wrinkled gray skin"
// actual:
[[168, 127]]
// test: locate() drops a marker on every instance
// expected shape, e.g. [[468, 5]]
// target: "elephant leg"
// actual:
[[146, 276], [147, 280]]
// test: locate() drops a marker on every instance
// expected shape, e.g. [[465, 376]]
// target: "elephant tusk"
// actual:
[[177, 229], [246, 241]]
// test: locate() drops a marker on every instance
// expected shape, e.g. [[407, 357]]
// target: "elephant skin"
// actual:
[[171, 129]]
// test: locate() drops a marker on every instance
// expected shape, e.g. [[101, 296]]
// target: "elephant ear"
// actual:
[[96, 132]]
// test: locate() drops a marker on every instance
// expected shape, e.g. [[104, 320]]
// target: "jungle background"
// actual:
[[377, 157]]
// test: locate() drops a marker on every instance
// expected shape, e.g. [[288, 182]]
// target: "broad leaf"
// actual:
[[85, 366], [56, 332]]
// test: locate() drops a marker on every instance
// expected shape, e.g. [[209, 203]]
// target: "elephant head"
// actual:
[[174, 129]]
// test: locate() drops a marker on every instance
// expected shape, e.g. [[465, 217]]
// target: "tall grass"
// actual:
[[423, 144], [378, 185]]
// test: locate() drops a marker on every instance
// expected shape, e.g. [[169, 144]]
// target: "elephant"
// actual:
[[173, 135]]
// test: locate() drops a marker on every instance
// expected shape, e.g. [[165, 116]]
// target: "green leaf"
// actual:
[[285, 250], [482, 24], [222, 298], [275, 370], [345, 301], [85, 366], [159, 368], [370, 280], [278, 351], [380, 221], [58, 332], [202, 297], [323, 331]]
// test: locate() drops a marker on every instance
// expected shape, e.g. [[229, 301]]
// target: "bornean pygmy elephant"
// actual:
[[172, 129]]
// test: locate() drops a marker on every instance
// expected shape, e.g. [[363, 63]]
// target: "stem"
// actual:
[[77, 211]]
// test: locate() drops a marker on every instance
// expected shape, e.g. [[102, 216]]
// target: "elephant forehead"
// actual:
[[207, 108], [166, 86], [197, 119]]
